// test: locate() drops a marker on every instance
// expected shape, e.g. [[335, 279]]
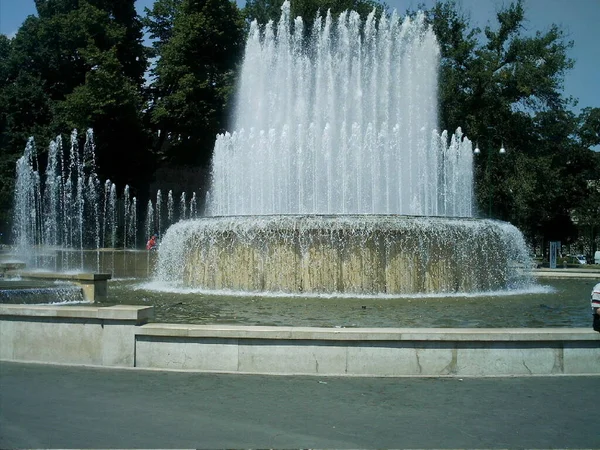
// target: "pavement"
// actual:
[[47, 406]]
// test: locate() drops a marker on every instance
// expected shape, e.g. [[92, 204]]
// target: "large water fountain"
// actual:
[[336, 180]]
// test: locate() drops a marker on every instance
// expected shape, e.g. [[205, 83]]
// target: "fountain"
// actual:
[[67, 220], [336, 180]]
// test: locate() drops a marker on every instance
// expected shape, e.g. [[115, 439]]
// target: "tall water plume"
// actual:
[[170, 207], [150, 219], [26, 224], [183, 207], [343, 124], [159, 212]]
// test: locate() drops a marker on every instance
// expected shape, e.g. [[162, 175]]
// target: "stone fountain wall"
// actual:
[[343, 254], [119, 336]]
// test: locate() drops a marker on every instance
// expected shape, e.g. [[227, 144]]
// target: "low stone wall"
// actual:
[[119, 336], [369, 351], [78, 335], [566, 273]]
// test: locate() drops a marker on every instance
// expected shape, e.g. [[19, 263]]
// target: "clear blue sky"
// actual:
[[579, 18]]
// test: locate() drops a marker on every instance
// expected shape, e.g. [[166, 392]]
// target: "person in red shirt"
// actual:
[[151, 244]]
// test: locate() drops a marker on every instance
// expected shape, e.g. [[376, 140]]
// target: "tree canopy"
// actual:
[[198, 45]]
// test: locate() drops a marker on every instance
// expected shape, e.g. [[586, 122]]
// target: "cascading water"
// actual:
[[335, 152]]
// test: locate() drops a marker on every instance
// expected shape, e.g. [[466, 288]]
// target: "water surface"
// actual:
[[552, 303], [21, 291]]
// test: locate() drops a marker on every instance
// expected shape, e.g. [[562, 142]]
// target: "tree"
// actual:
[[458, 43], [111, 104], [589, 127], [79, 63], [105, 38], [587, 212], [159, 22], [505, 89], [199, 44], [25, 109]]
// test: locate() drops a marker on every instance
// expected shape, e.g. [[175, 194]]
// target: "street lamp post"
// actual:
[[489, 161]]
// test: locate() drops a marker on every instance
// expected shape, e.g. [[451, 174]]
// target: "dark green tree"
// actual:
[[78, 64], [559, 168], [504, 88], [589, 127], [199, 44], [159, 22], [587, 212], [492, 79], [458, 42], [25, 109], [105, 39]]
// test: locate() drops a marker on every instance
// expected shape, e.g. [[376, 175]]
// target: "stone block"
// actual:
[[499, 358], [292, 357], [399, 359], [581, 357], [214, 355]]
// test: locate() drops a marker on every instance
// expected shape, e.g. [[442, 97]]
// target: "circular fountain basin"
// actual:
[[359, 254]]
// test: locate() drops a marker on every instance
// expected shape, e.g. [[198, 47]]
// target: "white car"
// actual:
[[581, 259]]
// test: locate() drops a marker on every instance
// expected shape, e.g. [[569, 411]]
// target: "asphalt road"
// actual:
[[44, 406]]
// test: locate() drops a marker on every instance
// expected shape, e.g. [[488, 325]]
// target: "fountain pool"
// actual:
[[19, 291], [553, 303]]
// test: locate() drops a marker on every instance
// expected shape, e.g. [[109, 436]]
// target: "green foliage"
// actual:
[[159, 22], [194, 75], [24, 109], [589, 127], [495, 75], [77, 64], [458, 44], [504, 87]]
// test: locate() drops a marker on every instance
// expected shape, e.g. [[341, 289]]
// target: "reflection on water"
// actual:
[[554, 303]]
